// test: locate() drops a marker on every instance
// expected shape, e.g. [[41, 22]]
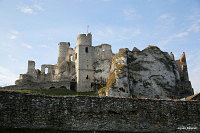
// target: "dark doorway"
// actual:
[[73, 86], [86, 49], [51, 88], [63, 87]]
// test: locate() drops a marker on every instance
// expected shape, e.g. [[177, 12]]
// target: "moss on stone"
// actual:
[[111, 79], [112, 76], [110, 82], [118, 55]]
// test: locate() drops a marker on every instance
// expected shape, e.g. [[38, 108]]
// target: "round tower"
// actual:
[[62, 51], [83, 39]]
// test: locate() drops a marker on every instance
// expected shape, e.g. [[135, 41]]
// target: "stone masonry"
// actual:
[[82, 113]]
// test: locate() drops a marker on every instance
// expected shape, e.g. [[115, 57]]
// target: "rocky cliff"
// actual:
[[149, 73]]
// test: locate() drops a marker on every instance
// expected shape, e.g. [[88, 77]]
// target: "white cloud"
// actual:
[[26, 10], [31, 9], [6, 76], [130, 14], [12, 37], [26, 45], [38, 7], [13, 34]]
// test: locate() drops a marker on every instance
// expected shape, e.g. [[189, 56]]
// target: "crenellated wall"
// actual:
[[82, 113]]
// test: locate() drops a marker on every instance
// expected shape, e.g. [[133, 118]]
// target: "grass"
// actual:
[[57, 92]]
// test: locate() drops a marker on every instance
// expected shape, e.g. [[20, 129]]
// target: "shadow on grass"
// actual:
[[57, 92]]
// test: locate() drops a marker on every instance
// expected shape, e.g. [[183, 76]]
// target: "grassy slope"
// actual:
[[57, 92]]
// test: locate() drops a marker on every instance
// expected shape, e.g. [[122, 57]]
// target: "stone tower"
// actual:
[[62, 51], [84, 54], [31, 69]]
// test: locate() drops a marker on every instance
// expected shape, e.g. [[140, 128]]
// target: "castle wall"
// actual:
[[70, 54], [49, 67], [45, 85], [102, 62], [81, 113], [103, 52]]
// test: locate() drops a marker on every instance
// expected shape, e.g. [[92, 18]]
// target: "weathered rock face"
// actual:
[[149, 73], [102, 69]]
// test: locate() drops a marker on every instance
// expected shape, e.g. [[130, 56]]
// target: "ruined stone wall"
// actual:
[[103, 52], [78, 113], [31, 69], [102, 62]]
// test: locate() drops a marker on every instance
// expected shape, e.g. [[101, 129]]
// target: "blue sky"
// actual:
[[31, 29]]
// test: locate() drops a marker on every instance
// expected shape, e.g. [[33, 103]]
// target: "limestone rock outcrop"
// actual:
[[150, 73]]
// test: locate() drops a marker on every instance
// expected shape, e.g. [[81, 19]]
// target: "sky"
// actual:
[[31, 30]]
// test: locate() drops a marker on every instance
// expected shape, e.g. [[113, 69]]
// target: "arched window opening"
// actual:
[[86, 49], [63, 87], [75, 56], [122, 89], [71, 58], [50, 88], [46, 70], [91, 85], [87, 77]]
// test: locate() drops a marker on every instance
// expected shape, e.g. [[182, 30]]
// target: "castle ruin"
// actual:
[[81, 68], [87, 68]]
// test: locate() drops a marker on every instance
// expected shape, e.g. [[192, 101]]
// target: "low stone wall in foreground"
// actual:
[[82, 113]]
